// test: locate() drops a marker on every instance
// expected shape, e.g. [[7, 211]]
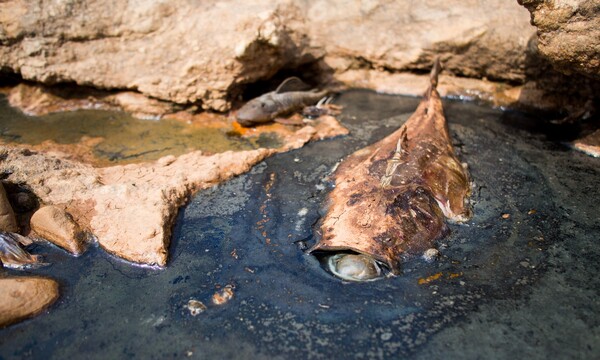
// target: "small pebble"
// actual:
[[431, 254], [223, 296], [195, 307], [386, 336]]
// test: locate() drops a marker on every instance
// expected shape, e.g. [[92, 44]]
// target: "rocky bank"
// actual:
[[208, 52], [130, 209]]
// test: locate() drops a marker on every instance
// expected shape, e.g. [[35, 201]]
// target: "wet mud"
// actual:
[[519, 280]]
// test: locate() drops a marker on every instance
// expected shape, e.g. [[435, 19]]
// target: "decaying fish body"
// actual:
[[392, 198], [11, 253], [285, 99]]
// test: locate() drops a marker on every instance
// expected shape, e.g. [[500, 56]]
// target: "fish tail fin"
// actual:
[[435, 71], [433, 76]]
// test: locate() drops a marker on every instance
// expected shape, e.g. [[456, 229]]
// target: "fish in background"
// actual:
[[290, 96], [391, 199]]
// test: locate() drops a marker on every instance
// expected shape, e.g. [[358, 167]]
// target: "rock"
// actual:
[[568, 33], [589, 144], [224, 295], [496, 94], [42, 100], [135, 209], [57, 226], [38, 100], [141, 106], [192, 52], [186, 52], [8, 222], [195, 307], [24, 297], [431, 254], [474, 39], [130, 209]]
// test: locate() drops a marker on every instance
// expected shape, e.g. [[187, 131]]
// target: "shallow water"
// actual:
[[124, 138], [522, 287]]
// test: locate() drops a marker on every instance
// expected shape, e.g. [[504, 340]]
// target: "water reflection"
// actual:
[[116, 137]]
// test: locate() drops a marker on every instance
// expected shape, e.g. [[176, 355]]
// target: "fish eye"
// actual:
[[262, 105]]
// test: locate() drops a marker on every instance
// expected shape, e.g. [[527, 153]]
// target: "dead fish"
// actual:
[[391, 199], [13, 256], [287, 98]]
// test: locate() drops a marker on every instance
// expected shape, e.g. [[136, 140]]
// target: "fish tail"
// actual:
[[435, 71], [433, 76]]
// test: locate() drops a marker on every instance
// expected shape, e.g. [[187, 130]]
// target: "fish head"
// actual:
[[259, 110]]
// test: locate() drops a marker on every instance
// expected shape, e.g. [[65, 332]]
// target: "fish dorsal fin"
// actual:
[[292, 84]]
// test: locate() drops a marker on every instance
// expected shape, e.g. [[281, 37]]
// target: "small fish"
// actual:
[[392, 199], [290, 96], [13, 256]]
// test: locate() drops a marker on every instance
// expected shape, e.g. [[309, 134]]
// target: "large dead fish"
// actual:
[[287, 98], [391, 199], [13, 256]]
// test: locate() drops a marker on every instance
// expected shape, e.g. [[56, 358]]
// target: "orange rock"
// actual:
[[57, 226], [589, 144], [23, 297]]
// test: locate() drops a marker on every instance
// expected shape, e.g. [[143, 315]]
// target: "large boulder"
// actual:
[[474, 38], [207, 52], [569, 34], [182, 52]]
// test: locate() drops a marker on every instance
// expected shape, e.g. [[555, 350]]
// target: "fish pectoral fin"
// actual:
[[291, 84]]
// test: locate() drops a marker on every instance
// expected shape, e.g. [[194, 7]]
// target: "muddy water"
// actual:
[[519, 286], [119, 138]]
